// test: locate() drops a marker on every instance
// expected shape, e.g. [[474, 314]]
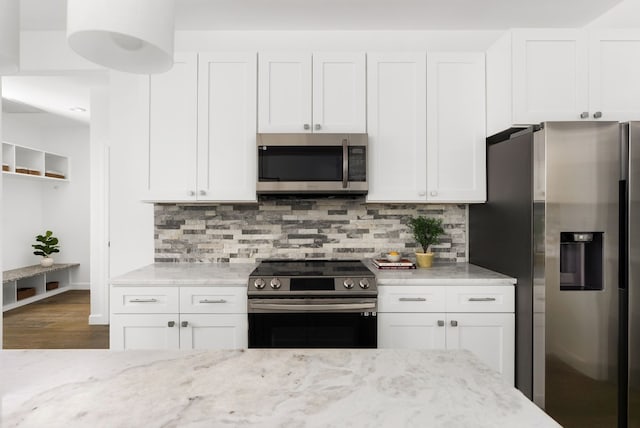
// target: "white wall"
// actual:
[[623, 15], [31, 206]]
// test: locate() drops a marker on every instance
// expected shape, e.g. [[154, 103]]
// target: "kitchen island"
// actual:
[[278, 387]]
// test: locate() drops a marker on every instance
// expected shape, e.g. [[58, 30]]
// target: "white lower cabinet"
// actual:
[[178, 318], [427, 317]]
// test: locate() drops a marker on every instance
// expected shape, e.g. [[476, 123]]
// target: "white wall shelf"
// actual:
[[33, 163], [35, 277]]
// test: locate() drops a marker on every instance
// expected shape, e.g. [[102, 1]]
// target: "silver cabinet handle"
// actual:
[[306, 126], [584, 115], [203, 192], [171, 323], [184, 323], [454, 323], [412, 299], [482, 299], [422, 193], [191, 193], [213, 301], [143, 300], [440, 323], [317, 126], [345, 163], [433, 193], [597, 115]]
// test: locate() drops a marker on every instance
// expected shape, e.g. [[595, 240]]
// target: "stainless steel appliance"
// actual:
[[562, 216], [312, 304], [312, 163]]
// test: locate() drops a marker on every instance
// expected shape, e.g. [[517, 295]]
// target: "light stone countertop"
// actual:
[[230, 274], [208, 274], [29, 271], [441, 274], [257, 387]]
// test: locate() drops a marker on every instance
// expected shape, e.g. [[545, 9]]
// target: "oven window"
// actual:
[[305, 330], [300, 163]]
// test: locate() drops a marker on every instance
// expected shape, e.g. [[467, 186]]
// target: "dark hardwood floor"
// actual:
[[59, 322]]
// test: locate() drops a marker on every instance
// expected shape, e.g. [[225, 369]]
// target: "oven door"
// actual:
[[313, 323]]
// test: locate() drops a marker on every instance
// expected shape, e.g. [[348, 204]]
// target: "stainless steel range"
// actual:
[[312, 304]]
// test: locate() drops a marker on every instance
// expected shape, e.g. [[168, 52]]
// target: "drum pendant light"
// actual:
[[135, 36], [9, 36]]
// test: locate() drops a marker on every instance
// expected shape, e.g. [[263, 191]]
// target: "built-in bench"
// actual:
[[31, 283]]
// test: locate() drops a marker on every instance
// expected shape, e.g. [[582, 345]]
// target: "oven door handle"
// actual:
[[309, 307]]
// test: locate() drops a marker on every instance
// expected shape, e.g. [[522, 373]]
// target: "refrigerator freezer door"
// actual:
[[633, 290], [581, 324]]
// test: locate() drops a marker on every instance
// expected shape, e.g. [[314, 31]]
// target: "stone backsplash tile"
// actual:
[[323, 228]]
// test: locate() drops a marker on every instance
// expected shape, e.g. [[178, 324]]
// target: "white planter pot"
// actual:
[[46, 262]]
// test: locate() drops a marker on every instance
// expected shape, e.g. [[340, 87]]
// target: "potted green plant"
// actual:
[[47, 245], [426, 231]]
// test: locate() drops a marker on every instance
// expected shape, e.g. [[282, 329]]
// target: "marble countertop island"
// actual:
[[267, 388]]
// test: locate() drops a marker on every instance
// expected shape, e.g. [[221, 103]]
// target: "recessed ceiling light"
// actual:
[[78, 109]]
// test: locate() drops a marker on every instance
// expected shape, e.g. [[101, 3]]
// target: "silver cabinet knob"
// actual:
[[348, 283], [259, 283], [184, 323], [433, 193], [275, 283], [422, 193], [364, 283], [584, 115], [597, 115], [203, 192], [440, 323], [306, 126], [171, 324], [191, 193], [317, 126], [454, 323]]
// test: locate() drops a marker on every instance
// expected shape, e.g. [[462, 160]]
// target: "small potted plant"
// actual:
[[47, 245], [426, 231]]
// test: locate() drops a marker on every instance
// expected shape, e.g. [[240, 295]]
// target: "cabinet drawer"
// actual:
[[212, 300], [144, 300], [480, 299], [406, 298]]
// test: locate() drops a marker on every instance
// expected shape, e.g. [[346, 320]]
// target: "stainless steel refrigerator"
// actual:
[[563, 217]]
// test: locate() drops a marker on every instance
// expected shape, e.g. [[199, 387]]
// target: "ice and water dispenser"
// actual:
[[581, 261]]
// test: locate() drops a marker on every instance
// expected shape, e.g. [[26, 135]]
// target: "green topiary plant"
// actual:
[[48, 244], [426, 231]]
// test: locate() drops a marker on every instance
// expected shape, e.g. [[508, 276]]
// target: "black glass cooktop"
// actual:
[[335, 268]]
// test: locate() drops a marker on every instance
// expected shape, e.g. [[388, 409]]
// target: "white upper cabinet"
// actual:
[[550, 75], [202, 129], [456, 127], [173, 131], [227, 127], [538, 75], [323, 92], [397, 126], [339, 93], [285, 92], [614, 90]]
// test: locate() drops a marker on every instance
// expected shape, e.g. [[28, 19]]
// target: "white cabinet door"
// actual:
[[614, 90], [172, 131], [213, 331], [144, 331], [397, 126], [550, 75], [284, 100], [456, 127], [411, 330], [490, 336], [339, 93], [227, 127]]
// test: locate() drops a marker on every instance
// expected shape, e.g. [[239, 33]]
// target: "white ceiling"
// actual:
[[57, 94], [352, 14]]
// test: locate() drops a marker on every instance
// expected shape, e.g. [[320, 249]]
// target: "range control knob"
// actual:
[[259, 283], [348, 283], [364, 283], [275, 283]]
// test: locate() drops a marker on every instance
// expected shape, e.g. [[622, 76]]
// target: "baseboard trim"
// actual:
[[80, 286], [98, 319]]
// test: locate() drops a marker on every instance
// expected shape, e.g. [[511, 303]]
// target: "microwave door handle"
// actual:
[[345, 163]]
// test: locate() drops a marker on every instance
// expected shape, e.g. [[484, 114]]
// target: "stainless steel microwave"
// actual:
[[312, 163]]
